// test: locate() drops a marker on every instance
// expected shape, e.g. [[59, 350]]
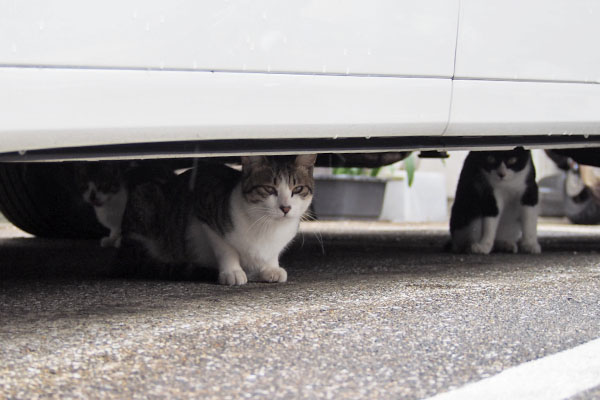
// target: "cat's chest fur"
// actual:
[[257, 241], [110, 213], [508, 194]]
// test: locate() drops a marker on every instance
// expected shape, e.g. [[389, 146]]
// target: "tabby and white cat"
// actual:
[[216, 216], [495, 207]]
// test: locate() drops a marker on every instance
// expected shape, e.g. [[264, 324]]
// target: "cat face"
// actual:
[[502, 166], [278, 187], [98, 182]]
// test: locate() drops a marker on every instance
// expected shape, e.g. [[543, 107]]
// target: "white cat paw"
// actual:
[[506, 246], [530, 247], [233, 278], [481, 248], [276, 274]]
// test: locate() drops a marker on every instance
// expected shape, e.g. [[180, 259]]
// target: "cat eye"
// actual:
[[297, 189], [511, 161], [269, 189], [491, 159]]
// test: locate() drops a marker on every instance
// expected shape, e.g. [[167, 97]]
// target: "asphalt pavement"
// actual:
[[370, 310]]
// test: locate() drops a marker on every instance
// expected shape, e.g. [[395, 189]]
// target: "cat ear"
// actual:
[[252, 161], [306, 160]]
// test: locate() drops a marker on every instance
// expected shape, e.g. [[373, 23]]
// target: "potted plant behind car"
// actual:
[[397, 193], [348, 193]]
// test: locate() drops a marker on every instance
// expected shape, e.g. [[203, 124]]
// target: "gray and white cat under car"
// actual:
[[496, 204], [216, 216]]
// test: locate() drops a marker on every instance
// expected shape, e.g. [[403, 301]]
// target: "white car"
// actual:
[[156, 78]]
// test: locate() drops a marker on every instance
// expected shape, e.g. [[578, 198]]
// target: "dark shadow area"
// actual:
[[34, 258]]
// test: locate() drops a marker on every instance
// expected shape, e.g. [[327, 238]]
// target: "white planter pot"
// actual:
[[361, 197], [348, 197], [424, 201]]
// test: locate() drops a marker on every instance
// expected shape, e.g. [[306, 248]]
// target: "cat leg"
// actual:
[[228, 260], [489, 225], [112, 240], [508, 232], [230, 271], [462, 238], [273, 273], [529, 242]]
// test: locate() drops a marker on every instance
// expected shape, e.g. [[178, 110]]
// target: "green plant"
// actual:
[[409, 165], [356, 171]]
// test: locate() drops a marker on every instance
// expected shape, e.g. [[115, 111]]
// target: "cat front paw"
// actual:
[[274, 274], [233, 278], [532, 247], [481, 248]]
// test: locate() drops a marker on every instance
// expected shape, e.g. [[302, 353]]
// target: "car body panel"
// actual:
[[50, 108], [384, 37], [529, 40], [76, 74], [495, 108]]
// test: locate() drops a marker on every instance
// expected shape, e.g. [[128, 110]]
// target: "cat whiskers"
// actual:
[[261, 209], [266, 211], [263, 221], [309, 216], [264, 226], [258, 222]]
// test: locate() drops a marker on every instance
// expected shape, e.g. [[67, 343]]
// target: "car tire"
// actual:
[[44, 200]]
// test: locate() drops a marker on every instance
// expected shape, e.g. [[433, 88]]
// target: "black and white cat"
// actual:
[[218, 217], [102, 185], [496, 204], [105, 186]]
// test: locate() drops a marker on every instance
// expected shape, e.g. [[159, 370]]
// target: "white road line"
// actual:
[[558, 376]]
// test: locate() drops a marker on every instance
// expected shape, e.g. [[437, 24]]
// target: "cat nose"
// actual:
[[92, 196], [285, 209], [501, 174]]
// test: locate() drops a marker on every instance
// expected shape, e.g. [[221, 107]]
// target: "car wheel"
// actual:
[[43, 199]]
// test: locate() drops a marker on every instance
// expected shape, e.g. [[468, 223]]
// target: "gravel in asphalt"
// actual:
[[371, 310]]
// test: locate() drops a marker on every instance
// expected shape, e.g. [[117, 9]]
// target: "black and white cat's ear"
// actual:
[[306, 160], [253, 161]]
